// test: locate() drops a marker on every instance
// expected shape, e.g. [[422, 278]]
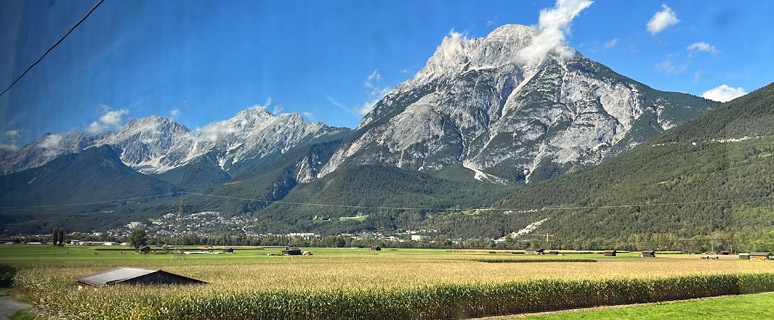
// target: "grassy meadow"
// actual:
[[393, 283], [750, 306]]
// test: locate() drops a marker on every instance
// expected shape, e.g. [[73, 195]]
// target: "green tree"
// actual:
[[138, 238], [54, 236]]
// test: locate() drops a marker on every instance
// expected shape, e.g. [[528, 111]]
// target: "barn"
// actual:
[[127, 275], [610, 253], [144, 250], [291, 251], [648, 253], [228, 250], [376, 248], [534, 251], [761, 256]]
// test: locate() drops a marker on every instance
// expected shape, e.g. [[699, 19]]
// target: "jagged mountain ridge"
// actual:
[[88, 178], [156, 144], [475, 104]]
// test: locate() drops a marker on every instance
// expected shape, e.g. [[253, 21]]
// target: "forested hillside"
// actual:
[[711, 177]]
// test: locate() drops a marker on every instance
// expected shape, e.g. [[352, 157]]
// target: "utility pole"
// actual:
[[548, 240]]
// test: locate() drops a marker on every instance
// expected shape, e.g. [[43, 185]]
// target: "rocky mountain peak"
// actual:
[[478, 103], [157, 144], [516, 34]]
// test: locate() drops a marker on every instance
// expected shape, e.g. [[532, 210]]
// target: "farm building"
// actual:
[[555, 253], [761, 256], [648, 253], [610, 253], [534, 251], [744, 256], [144, 250], [228, 250], [376, 248], [723, 253], [289, 251], [127, 275]]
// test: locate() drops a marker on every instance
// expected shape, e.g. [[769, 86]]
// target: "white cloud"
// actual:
[[376, 92], [265, 105], [175, 113], [277, 109], [95, 127], [109, 119], [374, 76], [458, 35], [309, 116], [662, 19], [611, 43], [669, 67], [51, 141], [702, 46], [666, 66], [405, 71], [50, 145], [724, 93], [366, 107], [338, 104], [13, 136], [553, 25]]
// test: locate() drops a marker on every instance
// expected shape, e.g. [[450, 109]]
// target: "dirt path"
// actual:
[[9, 305]]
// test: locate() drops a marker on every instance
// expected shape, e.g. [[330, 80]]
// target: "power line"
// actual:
[[94, 203], [51, 48]]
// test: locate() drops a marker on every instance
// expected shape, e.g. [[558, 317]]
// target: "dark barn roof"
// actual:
[[292, 251], [134, 276]]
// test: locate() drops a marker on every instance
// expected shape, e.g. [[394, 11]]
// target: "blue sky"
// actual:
[[204, 61]]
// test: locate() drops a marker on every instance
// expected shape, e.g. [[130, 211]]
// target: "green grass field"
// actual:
[[751, 306], [355, 282]]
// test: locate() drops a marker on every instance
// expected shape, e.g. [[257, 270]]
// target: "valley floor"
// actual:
[[477, 282]]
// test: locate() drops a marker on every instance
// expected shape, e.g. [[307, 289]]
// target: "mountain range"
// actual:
[[473, 126]]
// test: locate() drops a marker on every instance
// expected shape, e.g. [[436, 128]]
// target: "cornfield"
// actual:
[[375, 286], [429, 302]]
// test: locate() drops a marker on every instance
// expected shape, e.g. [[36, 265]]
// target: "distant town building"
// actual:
[[375, 248], [610, 253], [134, 225], [534, 251], [417, 237], [648, 254], [302, 235]]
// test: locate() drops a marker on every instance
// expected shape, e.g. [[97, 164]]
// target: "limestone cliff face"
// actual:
[[475, 104]]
